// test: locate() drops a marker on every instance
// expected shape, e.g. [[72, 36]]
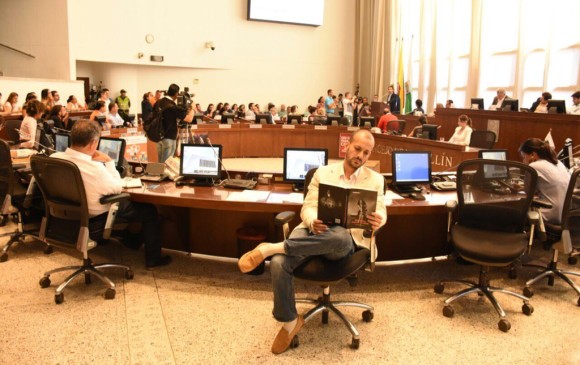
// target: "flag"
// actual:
[[549, 139], [409, 84], [401, 79]]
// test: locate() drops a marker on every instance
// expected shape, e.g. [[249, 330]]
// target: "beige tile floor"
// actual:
[[199, 311]]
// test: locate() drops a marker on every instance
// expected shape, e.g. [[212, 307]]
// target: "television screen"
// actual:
[[557, 106], [306, 12], [298, 161], [200, 161], [429, 131], [411, 167], [61, 142], [510, 105], [114, 148], [478, 102]]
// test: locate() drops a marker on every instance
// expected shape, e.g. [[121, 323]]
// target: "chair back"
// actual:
[[482, 139], [571, 215], [11, 127], [6, 177], [494, 195], [396, 126]]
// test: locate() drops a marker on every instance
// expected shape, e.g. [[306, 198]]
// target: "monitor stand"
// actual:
[[194, 182], [298, 187], [406, 188]]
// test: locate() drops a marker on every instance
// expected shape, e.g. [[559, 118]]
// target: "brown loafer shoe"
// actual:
[[251, 259], [284, 339]]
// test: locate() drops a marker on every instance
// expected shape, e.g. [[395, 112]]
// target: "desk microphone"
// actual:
[[36, 143], [218, 157], [61, 130]]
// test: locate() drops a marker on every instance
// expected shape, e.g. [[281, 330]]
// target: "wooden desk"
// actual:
[[202, 220]]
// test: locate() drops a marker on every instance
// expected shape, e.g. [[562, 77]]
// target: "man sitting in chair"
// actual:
[[100, 178], [313, 238]]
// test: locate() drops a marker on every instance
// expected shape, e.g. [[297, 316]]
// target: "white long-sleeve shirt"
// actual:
[[462, 137]]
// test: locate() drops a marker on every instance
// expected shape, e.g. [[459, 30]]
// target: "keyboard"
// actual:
[[444, 185], [240, 184]]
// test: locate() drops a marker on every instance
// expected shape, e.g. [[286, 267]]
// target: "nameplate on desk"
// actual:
[[225, 126], [105, 133], [257, 126], [194, 126], [320, 127], [288, 126], [131, 130], [352, 129]]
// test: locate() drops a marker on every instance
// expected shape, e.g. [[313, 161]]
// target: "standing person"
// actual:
[[158, 95], [393, 100], [11, 104], [329, 102], [553, 177], [147, 105], [34, 110], [100, 178], [575, 103], [313, 238], [348, 108], [104, 97], [123, 102], [498, 100], [172, 114], [463, 131]]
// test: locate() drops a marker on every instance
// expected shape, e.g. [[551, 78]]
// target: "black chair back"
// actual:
[[393, 128], [6, 175], [482, 139], [11, 127], [571, 213]]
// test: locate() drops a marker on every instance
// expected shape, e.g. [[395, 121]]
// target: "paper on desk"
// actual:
[[248, 196], [297, 198], [391, 195]]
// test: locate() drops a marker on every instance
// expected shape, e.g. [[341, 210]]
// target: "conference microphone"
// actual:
[[218, 156], [36, 143], [60, 130]]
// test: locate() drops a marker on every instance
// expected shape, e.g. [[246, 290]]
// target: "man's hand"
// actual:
[[375, 220], [318, 226], [101, 157]]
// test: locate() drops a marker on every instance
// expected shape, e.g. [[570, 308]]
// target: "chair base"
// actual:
[[18, 237], [325, 305], [88, 269], [551, 271], [482, 288]]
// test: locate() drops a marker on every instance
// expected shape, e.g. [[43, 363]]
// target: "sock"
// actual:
[[289, 326], [272, 249]]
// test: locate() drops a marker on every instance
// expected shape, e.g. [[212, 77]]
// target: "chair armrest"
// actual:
[[114, 198], [284, 217], [539, 203], [534, 217], [451, 205]]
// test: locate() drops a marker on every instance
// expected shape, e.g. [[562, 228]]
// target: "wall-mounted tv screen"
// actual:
[[303, 12]]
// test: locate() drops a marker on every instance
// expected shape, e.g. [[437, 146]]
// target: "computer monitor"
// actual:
[[294, 119], [114, 148], [493, 154], [130, 118], [409, 169], [478, 102], [201, 162], [333, 118], [557, 106], [298, 161], [263, 118], [61, 142], [198, 118], [429, 131], [228, 118], [101, 119], [494, 171], [510, 105], [365, 120]]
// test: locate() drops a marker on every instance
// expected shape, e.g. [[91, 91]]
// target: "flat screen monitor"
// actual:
[[101, 119], [114, 148], [294, 119], [493, 154], [557, 106], [365, 120], [298, 161], [429, 131], [510, 105], [263, 118], [478, 102], [130, 118], [200, 161], [61, 142], [494, 171], [411, 168], [333, 120], [228, 118], [198, 118]]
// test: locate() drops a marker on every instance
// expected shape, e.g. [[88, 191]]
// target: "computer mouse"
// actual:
[[417, 196]]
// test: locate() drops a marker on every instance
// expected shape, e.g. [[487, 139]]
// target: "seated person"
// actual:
[[100, 110], [385, 119], [418, 108], [553, 177], [575, 104], [59, 115], [541, 104], [101, 178], [113, 117], [72, 104], [28, 128], [314, 238], [498, 100], [462, 133], [418, 129]]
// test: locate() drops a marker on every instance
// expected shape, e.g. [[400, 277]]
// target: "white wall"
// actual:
[[23, 86], [39, 28], [253, 61]]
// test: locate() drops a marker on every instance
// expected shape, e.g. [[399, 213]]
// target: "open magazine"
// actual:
[[346, 207]]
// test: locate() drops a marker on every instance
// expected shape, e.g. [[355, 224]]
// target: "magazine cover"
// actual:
[[345, 207], [360, 203]]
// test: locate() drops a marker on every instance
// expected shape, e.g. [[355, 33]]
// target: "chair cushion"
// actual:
[[488, 247], [320, 270]]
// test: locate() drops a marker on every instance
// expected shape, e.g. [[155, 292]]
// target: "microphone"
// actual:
[[61, 130], [36, 143], [218, 157]]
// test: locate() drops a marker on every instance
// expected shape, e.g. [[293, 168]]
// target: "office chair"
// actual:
[[11, 127], [393, 129], [15, 201], [326, 272], [482, 139], [494, 199], [567, 240], [67, 220]]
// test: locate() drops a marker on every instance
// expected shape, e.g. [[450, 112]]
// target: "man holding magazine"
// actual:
[[312, 237]]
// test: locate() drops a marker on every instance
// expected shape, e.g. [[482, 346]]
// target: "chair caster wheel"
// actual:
[[110, 293], [325, 316], [572, 260], [44, 282], [87, 278], [295, 342], [129, 275], [48, 250], [4, 257], [448, 311], [368, 315], [528, 292], [355, 344], [527, 309], [59, 298], [513, 273], [504, 325], [438, 288]]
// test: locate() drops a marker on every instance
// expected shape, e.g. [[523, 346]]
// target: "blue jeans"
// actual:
[[334, 244], [165, 149]]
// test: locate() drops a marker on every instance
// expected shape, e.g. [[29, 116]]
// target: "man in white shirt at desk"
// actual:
[[113, 117], [575, 109]]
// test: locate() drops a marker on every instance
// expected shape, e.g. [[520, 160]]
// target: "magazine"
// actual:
[[345, 207]]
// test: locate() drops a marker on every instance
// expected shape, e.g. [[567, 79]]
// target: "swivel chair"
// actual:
[[67, 220], [12, 126], [567, 240], [396, 127], [494, 199], [482, 139], [15, 201], [325, 272]]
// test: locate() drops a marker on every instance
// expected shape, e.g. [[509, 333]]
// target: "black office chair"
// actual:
[[326, 272], [16, 201], [567, 240], [11, 127], [392, 127], [67, 220], [482, 139], [494, 199]]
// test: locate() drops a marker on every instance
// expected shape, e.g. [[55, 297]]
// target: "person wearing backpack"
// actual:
[[171, 115]]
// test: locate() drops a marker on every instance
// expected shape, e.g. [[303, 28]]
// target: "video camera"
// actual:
[[184, 98]]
